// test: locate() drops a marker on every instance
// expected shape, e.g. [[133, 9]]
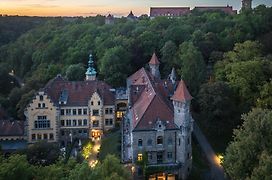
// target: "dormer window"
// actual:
[[41, 98]]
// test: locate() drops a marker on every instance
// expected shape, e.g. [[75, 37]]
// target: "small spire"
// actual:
[[173, 76], [91, 72]]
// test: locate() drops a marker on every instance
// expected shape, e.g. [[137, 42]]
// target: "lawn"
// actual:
[[111, 144]]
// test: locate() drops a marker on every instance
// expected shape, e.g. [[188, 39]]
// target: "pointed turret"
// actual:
[[181, 94], [91, 72], [182, 118], [154, 65]]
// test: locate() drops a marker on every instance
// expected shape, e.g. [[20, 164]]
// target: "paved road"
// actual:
[[217, 171]]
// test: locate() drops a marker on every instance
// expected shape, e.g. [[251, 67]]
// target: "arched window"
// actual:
[[140, 142], [159, 140]]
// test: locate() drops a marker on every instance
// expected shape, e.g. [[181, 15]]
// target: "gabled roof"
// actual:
[[150, 101], [11, 128], [78, 92], [154, 60], [181, 94]]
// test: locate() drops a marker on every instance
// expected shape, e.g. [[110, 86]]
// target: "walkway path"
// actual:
[[93, 156], [217, 171]]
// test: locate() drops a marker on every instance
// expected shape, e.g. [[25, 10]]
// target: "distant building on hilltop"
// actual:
[[169, 11], [109, 19], [181, 11], [158, 125], [226, 9], [246, 4], [131, 16]]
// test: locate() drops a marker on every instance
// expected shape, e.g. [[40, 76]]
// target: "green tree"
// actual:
[[43, 153], [192, 66], [213, 98], [248, 155], [16, 167], [168, 52], [115, 66], [75, 72], [265, 98]]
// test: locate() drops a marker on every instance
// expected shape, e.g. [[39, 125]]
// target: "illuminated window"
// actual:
[[119, 114], [140, 157]]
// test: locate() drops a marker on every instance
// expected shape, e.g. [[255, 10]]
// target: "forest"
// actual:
[[225, 60]]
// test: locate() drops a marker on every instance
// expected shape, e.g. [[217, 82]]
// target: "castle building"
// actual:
[[158, 124], [182, 11], [246, 4], [64, 111]]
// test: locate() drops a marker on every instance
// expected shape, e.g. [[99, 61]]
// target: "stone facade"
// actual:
[[64, 111], [158, 123]]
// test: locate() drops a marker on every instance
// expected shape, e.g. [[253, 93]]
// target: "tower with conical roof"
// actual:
[[182, 118], [91, 72], [154, 65], [246, 4]]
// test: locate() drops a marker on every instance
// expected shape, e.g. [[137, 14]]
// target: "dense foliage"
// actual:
[[17, 167], [249, 156]]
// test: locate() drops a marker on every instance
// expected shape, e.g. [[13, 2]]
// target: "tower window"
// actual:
[[140, 142], [140, 157], [159, 140]]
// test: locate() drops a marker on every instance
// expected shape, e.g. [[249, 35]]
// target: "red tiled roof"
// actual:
[[181, 93], [79, 92], [172, 11], [11, 128], [151, 102], [154, 60]]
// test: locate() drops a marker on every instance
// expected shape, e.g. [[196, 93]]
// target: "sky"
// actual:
[[104, 7]]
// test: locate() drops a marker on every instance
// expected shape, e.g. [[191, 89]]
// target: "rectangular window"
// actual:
[[41, 123], [169, 155], [41, 98], [140, 157], [111, 121], [85, 122], [68, 111], [68, 122], [45, 136], [74, 111], [111, 111], [74, 122], [106, 122], [159, 157], [62, 132], [95, 123], [80, 122], [33, 136], [62, 123], [85, 111], [79, 111], [95, 112], [51, 136], [106, 111], [62, 112]]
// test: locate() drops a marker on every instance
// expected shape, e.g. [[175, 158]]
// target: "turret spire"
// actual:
[[91, 72]]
